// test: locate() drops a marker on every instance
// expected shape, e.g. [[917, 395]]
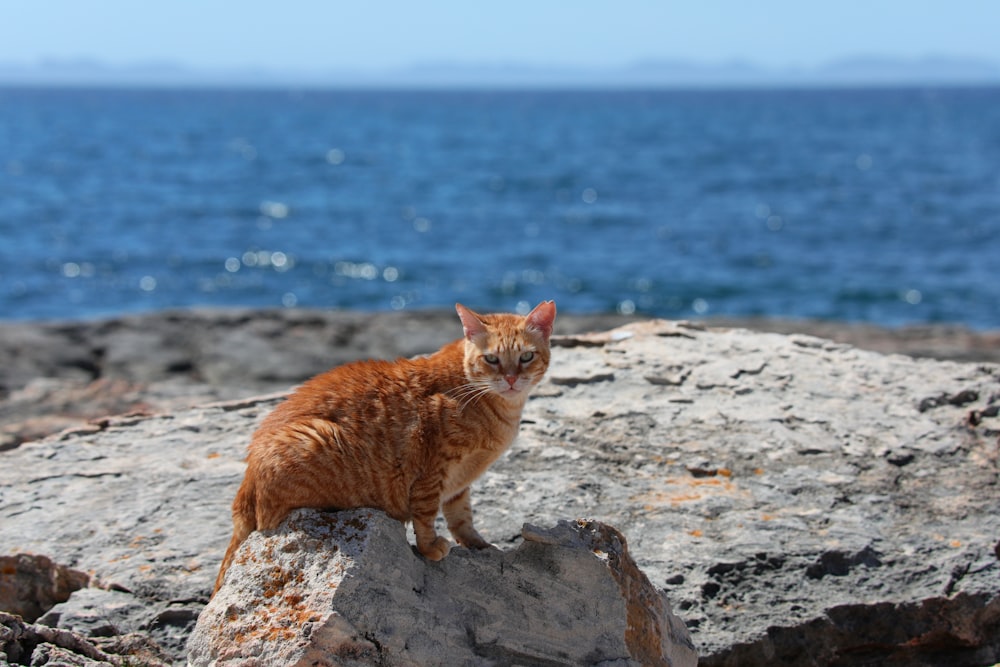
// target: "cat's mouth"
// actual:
[[510, 390]]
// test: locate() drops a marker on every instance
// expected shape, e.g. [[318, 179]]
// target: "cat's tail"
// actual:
[[244, 523]]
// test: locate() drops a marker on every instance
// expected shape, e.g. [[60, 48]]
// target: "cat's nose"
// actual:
[[511, 380]]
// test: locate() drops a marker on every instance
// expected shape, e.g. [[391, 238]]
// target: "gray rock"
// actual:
[[100, 613], [783, 490], [258, 350], [54, 375], [347, 588], [96, 612], [59, 374], [28, 644], [31, 584]]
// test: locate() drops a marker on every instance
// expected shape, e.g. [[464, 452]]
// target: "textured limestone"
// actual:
[[58, 374], [787, 492], [347, 588], [55, 375]]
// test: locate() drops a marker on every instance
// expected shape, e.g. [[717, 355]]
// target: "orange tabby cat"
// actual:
[[407, 437]]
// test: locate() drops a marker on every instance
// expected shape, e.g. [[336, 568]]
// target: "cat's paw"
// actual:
[[436, 550], [472, 540]]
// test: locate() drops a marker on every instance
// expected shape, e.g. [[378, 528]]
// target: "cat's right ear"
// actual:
[[542, 317], [471, 322]]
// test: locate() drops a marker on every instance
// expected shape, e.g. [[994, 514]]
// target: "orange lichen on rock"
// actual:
[[678, 490]]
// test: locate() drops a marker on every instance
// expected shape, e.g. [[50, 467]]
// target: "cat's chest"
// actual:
[[482, 441], [460, 472]]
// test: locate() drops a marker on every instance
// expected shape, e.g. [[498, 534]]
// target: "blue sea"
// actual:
[[878, 206]]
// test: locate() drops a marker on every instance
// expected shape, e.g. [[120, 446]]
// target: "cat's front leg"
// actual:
[[458, 513], [425, 499]]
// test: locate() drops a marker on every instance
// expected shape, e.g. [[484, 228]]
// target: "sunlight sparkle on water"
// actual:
[[280, 261], [335, 156], [277, 260], [244, 148], [274, 209], [401, 301], [78, 270], [363, 270]]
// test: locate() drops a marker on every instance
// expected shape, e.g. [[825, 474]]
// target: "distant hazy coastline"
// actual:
[[858, 71]]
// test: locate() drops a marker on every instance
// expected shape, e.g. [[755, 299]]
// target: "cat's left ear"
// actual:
[[471, 322], [542, 318]]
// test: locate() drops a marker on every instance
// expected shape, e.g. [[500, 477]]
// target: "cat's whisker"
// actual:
[[469, 393], [468, 387], [473, 398]]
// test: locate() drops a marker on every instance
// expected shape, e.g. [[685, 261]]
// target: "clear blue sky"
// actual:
[[383, 34]]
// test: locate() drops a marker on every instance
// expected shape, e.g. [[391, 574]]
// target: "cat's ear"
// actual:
[[471, 322], [541, 318]]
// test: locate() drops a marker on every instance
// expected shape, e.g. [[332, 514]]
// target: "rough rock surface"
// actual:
[[801, 502], [347, 588], [28, 644], [55, 375], [58, 374]]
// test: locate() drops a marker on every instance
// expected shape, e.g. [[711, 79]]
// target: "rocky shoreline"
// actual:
[[800, 501], [54, 375]]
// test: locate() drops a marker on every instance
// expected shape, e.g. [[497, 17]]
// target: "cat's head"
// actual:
[[505, 352]]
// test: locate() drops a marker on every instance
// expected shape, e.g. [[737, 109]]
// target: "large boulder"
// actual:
[[347, 588]]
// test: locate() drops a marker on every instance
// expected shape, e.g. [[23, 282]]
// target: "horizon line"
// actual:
[[858, 70]]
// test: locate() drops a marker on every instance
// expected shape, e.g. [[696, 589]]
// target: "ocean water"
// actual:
[[855, 205]]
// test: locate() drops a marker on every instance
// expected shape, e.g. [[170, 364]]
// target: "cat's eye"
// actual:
[[491, 359], [527, 356]]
